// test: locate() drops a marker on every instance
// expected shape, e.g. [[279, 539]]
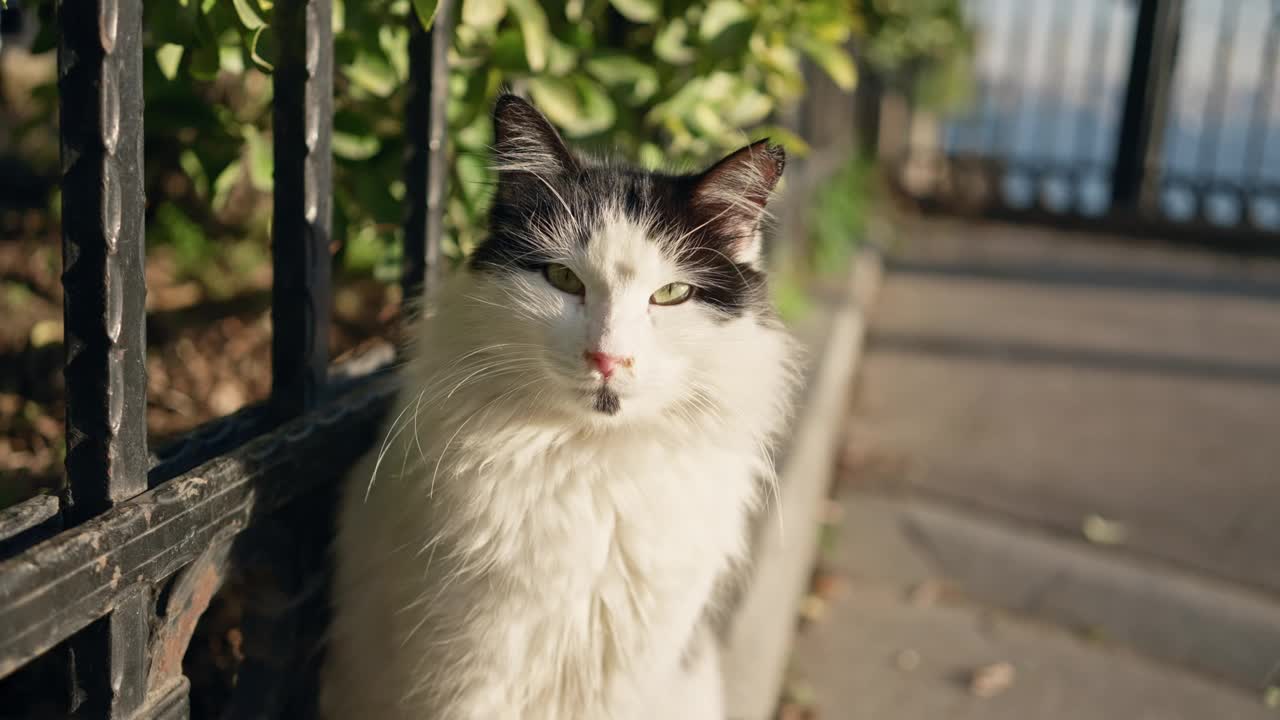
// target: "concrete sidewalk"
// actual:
[[1081, 431], [898, 643], [1050, 376]]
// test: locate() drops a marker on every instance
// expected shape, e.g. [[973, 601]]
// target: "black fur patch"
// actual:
[[607, 402]]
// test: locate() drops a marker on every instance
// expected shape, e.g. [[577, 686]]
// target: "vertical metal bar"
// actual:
[[302, 223], [426, 151], [1215, 98], [1099, 41], [1155, 39], [1256, 148], [109, 660], [104, 251], [1054, 76], [1020, 22], [100, 85]]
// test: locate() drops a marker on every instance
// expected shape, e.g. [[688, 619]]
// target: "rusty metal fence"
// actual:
[[101, 589]]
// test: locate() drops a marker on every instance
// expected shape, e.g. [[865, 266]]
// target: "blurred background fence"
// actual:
[[1150, 116]]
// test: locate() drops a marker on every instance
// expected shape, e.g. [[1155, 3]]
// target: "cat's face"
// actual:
[[626, 294]]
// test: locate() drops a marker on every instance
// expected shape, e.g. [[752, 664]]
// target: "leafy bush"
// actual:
[[661, 81]]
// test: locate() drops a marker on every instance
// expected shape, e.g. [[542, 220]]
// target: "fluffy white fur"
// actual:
[[511, 552]]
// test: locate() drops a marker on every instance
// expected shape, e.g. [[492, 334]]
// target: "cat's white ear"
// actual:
[[525, 142], [732, 195]]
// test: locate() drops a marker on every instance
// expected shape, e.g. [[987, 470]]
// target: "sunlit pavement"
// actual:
[[1098, 414]]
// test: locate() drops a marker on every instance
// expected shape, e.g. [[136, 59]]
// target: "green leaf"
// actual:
[[651, 156], [638, 11], [835, 61], [373, 72], [169, 57], [169, 22], [561, 58], [394, 42], [474, 179], [353, 136], [485, 14], [534, 30], [748, 107], [248, 16], [508, 54], [194, 169], [231, 59], [625, 71], [426, 12], [205, 62], [719, 16], [263, 49], [175, 228], [261, 160], [670, 45], [578, 105]]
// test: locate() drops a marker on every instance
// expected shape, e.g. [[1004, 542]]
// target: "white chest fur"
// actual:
[[544, 575]]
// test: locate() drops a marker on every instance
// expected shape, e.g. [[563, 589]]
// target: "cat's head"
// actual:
[[629, 294]]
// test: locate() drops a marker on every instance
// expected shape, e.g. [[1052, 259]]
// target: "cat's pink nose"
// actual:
[[606, 363]]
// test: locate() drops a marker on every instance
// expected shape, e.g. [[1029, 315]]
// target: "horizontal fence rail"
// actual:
[[101, 589], [1152, 117]]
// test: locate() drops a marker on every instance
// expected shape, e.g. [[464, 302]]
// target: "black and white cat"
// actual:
[[583, 429]]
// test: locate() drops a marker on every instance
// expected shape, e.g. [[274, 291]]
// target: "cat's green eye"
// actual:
[[672, 294], [562, 278]]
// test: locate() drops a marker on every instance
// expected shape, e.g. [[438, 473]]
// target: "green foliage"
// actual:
[[928, 40], [669, 82], [839, 215]]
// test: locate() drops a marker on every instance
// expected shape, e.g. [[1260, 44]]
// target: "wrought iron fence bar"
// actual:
[[110, 659], [146, 539], [104, 253], [27, 515], [1096, 74], [425, 173], [1256, 147], [1214, 100], [302, 222], [1011, 91], [1141, 121], [100, 90], [1054, 76]]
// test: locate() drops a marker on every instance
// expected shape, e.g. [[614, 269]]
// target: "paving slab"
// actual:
[[1053, 377], [885, 650]]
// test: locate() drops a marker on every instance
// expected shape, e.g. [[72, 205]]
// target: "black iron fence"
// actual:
[[102, 588], [1142, 116]]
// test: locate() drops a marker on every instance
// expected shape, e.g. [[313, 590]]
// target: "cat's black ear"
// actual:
[[732, 194], [526, 143]]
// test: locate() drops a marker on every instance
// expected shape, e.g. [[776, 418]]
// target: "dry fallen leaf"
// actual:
[[1101, 531], [828, 586], [813, 608], [925, 594], [991, 680], [907, 660], [1271, 697]]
